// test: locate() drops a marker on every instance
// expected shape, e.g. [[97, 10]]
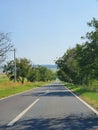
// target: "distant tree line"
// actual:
[[24, 68], [25, 71], [79, 65]]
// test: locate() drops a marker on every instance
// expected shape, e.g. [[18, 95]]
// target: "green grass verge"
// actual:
[[89, 96], [14, 88]]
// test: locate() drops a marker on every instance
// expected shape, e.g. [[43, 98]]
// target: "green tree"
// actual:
[[87, 53], [40, 73], [68, 67], [80, 64], [23, 68]]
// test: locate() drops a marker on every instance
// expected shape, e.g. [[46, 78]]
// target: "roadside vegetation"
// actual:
[[89, 95], [20, 70], [8, 87], [28, 77], [79, 66], [26, 71]]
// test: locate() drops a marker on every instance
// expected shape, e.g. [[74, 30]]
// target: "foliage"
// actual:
[[79, 65], [40, 73], [8, 87], [25, 70], [23, 66]]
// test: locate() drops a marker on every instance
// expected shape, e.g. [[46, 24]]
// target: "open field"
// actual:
[[86, 94]]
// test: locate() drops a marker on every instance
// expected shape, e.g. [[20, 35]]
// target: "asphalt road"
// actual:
[[52, 107]]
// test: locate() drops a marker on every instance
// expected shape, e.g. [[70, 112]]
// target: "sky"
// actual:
[[42, 30]]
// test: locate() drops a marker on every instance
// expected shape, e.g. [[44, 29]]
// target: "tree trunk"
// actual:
[[22, 81]]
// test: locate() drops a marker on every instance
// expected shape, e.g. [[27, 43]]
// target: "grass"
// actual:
[[86, 94], [8, 88]]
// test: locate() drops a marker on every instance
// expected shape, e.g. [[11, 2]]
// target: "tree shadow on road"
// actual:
[[60, 94], [51, 94], [71, 122]]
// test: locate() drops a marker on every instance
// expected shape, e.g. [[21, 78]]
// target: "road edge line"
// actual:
[[86, 104]]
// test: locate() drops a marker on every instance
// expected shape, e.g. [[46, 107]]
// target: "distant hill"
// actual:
[[49, 66]]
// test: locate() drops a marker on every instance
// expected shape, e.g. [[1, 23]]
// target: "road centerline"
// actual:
[[22, 113]]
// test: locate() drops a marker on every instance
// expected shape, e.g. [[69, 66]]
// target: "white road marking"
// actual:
[[90, 107], [22, 113]]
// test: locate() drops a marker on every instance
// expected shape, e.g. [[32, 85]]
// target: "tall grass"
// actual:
[[94, 85], [8, 87]]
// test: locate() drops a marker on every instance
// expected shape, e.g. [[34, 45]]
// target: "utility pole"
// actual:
[[15, 65]]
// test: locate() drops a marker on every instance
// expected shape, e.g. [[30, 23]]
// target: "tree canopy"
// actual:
[[80, 64], [25, 71]]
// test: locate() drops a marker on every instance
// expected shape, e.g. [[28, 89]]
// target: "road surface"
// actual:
[[52, 107]]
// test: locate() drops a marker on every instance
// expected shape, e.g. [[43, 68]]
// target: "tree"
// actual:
[[34, 74], [68, 67], [88, 53], [23, 68], [40, 73], [80, 64], [5, 45]]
